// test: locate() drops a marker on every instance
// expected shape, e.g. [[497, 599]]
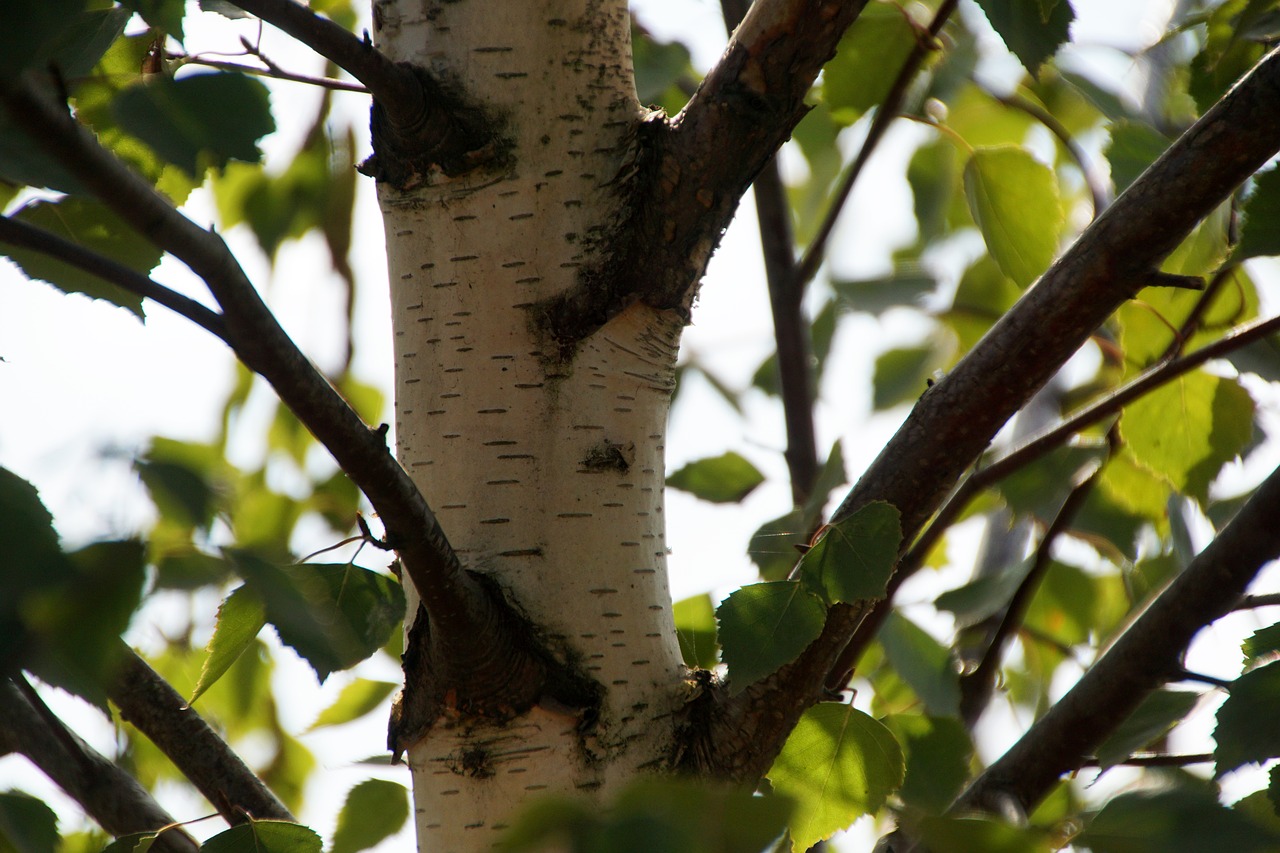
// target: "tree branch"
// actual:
[[482, 648], [790, 329], [158, 711], [1144, 657], [692, 170], [18, 233], [110, 796]]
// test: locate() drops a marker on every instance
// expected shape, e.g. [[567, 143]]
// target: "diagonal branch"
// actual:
[[110, 796], [18, 233], [693, 169], [1144, 657]]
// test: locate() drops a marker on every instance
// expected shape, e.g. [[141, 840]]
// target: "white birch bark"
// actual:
[[548, 475]]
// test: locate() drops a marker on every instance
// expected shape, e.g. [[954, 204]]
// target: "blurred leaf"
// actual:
[[264, 836], [695, 619], [56, 33], [867, 61], [202, 119], [1033, 31], [853, 558], [1186, 430], [902, 375], [1243, 734], [821, 332], [1260, 234], [357, 699], [1073, 606], [1205, 248], [933, 175], [183, 480], [333, 615], [1184, 819], [240, 617], [659, 69], [189, 569], [1134, 487], [982, 297], [923, 663], [1153, 719], [92, 226], [938, 751], [26, 824], [1014, 200], [983, 835], [727, 478], [1040, 487], [1262, 643], [1261, 358], [765, 625], [984, 596], [374, 810], [774, 547], [837, 764], [1133, 147], [163, 15], [903, 289]]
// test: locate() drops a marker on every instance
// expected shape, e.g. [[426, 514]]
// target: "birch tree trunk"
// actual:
[[544, 466]]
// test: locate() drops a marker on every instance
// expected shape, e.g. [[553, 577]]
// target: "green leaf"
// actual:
[[765, 625], [695, 619], [867, 61], [1134, 146], [1033, 31], [333, 615], [1186, 430], [902, 375], [52, 32], [875, 296], [264, 836], [1185, 819], [983, 835], [1153, 719], [938, 751], [1039, 488], [1264, 642], [727, 478], [659, 68], [199, 120], [357, 699], [92, 226], [853, 558], [984, 596], [1260, 234], [375, 809], [774, 548], [183, 481], [1014, 201], [837, 764], [163, 15], [26, 824], [1243, 733], [240, 617], [923, 663]]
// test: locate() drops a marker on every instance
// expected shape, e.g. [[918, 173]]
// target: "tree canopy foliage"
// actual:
[[1091, 260]]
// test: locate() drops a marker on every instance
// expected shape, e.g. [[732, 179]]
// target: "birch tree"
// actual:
[[547, 229]]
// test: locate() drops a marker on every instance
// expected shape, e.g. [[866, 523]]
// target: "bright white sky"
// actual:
[[81, 378]]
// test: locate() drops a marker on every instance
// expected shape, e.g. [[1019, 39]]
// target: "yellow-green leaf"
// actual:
[[1014, 200]]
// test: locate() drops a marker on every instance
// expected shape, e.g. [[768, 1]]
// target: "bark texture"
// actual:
[[545, 466]]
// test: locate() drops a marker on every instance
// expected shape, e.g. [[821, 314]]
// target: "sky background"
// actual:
[[83, 385]]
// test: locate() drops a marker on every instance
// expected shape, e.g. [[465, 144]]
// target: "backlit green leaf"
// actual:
[[765, 625], [923, 663], [938, 751], [838, 764], [264, 836], [1263, 642], [240, 618], [695, 619], [1014, 200], [727, 478], [203, 119], [984, 835], [1153, 719], [1260, 234], [374, 809], [1134, 146], [867, 61], [358, 698], [1187, 430], [853, 558], [1184, 819], [1033, 31], [1241, 736]]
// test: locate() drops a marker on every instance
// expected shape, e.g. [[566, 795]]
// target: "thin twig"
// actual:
[[1156, 760], [888, 110], [18, 233], [274, 73], [1248, 602]]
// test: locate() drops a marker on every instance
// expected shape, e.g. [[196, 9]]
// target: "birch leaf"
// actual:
[[854, 558], [1014, 200], [765, 625], [1241, 735], [838, 764], [374, 810], [264, 836], [727, 478], [240, 618]]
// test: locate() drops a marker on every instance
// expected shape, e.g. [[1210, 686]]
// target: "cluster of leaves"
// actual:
[[218, 528], [1012, 169]]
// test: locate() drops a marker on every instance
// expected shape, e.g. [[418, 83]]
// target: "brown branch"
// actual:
[[955, 419], [110, 796], [158, 711], [790, 329], [18, 233], [692, 170], [1248, 602], [1155, 760], [481, 648], [1146, 656]]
